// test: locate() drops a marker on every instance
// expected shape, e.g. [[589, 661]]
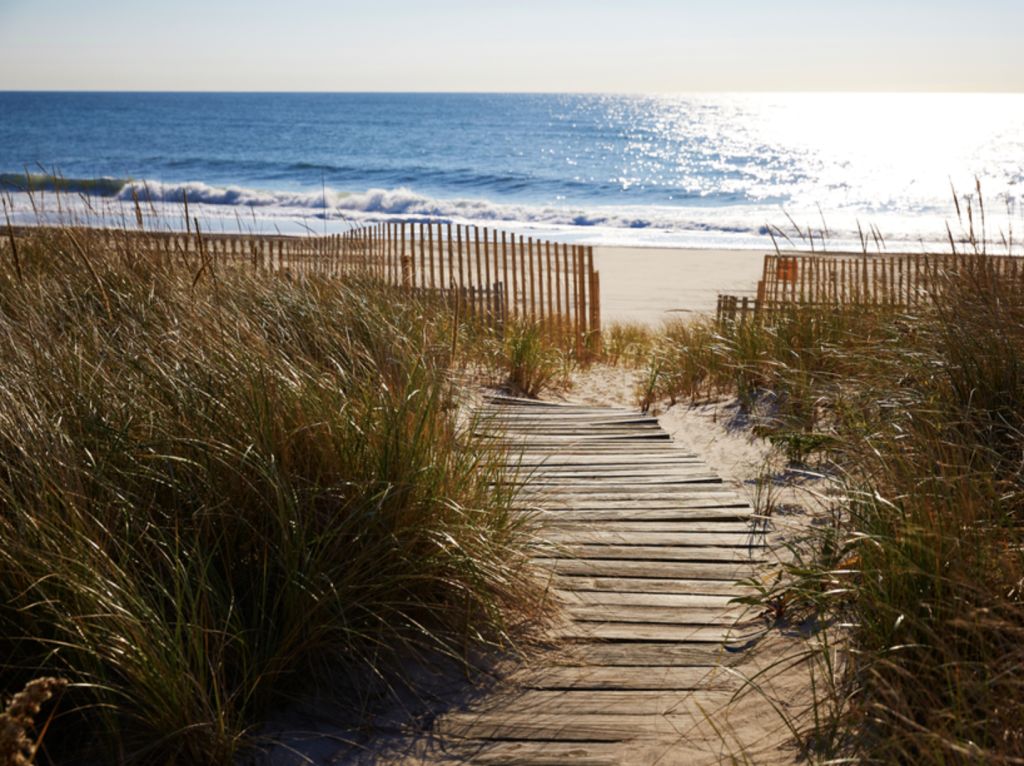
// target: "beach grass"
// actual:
[[224, 492], [915, 578], [627, 343], [531, 362]]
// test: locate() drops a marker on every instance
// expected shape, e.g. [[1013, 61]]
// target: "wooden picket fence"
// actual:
[[734, 308], [492, 275], [897, 281], [901, 280], [549, 283]]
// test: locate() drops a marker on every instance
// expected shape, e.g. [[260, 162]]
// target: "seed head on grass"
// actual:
[[20, 738]]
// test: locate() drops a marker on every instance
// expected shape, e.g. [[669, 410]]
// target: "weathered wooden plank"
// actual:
[[702, 508], [591, 702], [542, 415], [609, 472], [656, 498], [529, 429], [646, 653], [559, 412], [663, 447], [609, 466], [554, 409], [526, 753], [573, 727], [504, 425], [542, 452], [648, 678], [570, 728], [626, 631], [640, 454], [639, 482], [697, 506], [726, 574], [505, 400], [538, 406], [690, 497], [529, 432], [621, 474], [660, 553], [553, 525], [627, 584], [542, 425], [582, 434], [721, 602], [560, 442], [707, 511], [661, 615], [584, 438], [584, 535], [663, 454], [654, 450]]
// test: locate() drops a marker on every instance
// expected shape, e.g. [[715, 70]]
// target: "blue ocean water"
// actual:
[[659, 170]]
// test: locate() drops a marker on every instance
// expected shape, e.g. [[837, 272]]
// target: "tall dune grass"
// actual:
[[221, 491], [920, 570]]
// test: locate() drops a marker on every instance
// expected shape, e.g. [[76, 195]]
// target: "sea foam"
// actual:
[[330, 210]]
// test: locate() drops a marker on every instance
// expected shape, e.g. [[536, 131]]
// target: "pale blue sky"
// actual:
[[528, 45]]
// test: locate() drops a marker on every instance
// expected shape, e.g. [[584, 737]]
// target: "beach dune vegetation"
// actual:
[[223, 492], [915, 578]]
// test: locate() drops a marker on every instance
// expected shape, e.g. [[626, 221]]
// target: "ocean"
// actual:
[[708, 170]]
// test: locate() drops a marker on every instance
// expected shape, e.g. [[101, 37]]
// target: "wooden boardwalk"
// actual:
[[643, 545]]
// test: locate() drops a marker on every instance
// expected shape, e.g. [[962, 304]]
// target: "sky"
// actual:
[[623, 46]]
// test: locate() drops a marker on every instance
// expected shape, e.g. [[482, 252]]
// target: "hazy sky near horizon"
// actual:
[[527, 45]]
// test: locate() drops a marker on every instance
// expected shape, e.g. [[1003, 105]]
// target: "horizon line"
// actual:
[[808, 91]]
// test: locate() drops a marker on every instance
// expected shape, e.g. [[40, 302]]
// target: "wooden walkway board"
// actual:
[[643, 545]]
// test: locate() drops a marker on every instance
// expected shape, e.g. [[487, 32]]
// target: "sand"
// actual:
[[643, 284]]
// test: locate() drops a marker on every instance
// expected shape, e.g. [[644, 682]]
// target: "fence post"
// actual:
[[458, 244], [526, 308], [436, 268], [451, 259], [504, 270], [533, 280], [515, 280], [479, 280], [593, 315], [581, 326], [487, 262], [500, 307]]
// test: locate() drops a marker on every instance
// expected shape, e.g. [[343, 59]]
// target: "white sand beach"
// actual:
[[641, 284]]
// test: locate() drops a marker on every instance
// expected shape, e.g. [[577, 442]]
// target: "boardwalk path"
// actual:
[[644, 545]]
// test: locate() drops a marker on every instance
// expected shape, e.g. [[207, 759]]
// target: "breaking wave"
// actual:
[[681, 225], [410, 205]]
